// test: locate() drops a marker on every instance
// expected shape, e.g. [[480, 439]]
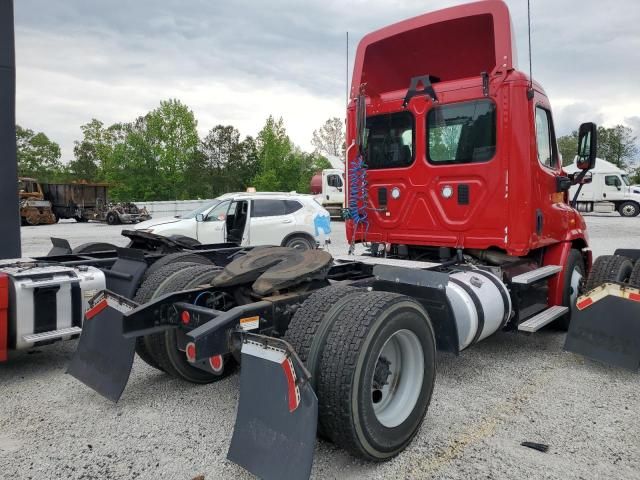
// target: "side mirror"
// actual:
[[587, 146], [618, 184], [200, 217]]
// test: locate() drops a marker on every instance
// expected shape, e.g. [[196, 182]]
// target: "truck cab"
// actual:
[[464, 156], [328, 186]]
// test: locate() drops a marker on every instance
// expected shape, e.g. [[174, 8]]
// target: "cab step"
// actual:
[[52, 335], [545, 317], [533, 276]]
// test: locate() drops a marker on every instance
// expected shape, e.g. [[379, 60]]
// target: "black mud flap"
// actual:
[[104, 356], [605, 326], [275, 431]]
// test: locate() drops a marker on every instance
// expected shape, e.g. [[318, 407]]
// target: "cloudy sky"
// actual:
[[235, 62]]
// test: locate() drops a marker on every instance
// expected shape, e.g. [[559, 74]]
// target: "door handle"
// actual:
[[287, 220]]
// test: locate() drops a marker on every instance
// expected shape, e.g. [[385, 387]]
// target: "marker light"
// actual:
[[447, 191]]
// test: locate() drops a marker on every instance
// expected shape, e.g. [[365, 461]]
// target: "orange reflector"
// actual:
[[185, 317], [584, 303], [191, 352], [216, 363]]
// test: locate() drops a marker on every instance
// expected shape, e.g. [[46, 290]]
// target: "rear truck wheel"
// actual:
[[150, 288], [176, 257], [376, 375], [312, 322], [609, 268], [629, 209], [634, 278], [112, 218], [299, 242], [164, 347], [310, 325], [92, 247], [573, 285]]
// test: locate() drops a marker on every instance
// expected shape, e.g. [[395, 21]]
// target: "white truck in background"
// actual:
[[609, 190], [328, 186]]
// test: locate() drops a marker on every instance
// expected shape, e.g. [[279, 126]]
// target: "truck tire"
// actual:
[[310, 325], [152, 287], [609, 268], [629, 209], [376, 375], [163, 346], [112, 218], [634, 278], [176, 257], [575, 273], [92, 247]]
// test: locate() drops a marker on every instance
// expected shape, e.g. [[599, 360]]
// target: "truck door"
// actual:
[[333, 189], [550, 212], [612, 189]]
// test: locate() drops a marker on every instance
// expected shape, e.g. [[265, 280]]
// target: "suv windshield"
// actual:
[[201, 209], [462, 132]]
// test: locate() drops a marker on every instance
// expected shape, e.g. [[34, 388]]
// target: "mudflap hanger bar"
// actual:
[[427, 88]]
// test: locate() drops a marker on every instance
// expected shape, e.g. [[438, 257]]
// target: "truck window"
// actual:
[[612, 181], [625, 179], [334, 181], [462, 132], [545, 138], [390, 140]]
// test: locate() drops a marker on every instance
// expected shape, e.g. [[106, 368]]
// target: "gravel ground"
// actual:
[[507, 389]]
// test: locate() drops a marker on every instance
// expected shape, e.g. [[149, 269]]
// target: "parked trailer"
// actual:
[[347, 346]]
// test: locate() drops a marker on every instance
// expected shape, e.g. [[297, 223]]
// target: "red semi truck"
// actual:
[[455, 185]]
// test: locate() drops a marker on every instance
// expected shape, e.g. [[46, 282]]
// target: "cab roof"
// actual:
[[449, 44]]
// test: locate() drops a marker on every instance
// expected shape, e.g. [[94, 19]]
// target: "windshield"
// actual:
[[625, 179], [201, 209]]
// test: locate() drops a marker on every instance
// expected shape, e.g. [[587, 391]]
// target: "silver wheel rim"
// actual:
[[400, 366], [628, 210], [576, 277]]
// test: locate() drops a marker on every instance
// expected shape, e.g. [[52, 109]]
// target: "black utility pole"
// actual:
[[9, 210]]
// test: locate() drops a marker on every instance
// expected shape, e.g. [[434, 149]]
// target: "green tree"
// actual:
[[330, 139], [231, 164], [38, 156], [281, 165], [617, 145], [156, 157], [568, 146]]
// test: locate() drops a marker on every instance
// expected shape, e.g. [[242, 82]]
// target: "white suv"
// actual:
[[288, 219]]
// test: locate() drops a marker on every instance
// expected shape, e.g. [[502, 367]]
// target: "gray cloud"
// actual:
[[236, 62]]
